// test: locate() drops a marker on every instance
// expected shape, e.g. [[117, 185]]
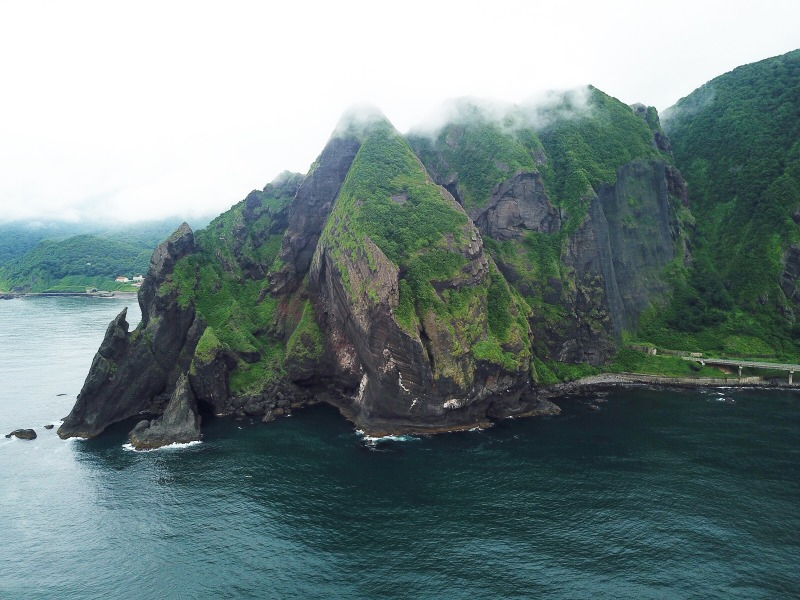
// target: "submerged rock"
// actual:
[[23, 434], [49, 426], [180, 422]]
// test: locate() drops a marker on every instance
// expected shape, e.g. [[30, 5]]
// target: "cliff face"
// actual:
[[134, 373], [418, 284], [579, 214], [616, 260], [402, 286]]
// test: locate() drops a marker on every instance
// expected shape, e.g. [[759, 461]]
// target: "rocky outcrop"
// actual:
[[309, 213], [180, 422], [400, 379], [617, 259], [132, 372], [517, 205], [23, 434], [791, 272], [209, 379]]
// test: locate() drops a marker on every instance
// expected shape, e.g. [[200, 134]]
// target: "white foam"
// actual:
[[372, 440], [173, 446]]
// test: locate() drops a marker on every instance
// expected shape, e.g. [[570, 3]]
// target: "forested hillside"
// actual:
[[737, 142], [51, 257]]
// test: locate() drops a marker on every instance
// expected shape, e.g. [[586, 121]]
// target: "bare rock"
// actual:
[[23, 434], [517, 205], [131, 372], [180, 422]]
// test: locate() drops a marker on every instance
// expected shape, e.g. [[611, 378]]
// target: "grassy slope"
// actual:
[[586, 143], [53, 256]]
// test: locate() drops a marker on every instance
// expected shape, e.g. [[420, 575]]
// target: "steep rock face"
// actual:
[[517, 205], [617, 256], [131, 371], [791, 273], [637, 213], [209, 379], [367, 285], [309, 212], [397, 327], [404, 380], [180, 422]]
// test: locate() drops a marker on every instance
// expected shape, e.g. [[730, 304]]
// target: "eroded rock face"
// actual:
[[791, 273], [180, 422], [131, 371], [618, 256], [402, 380], [309, 212], [443, 364], [517, 205], [209, 380]]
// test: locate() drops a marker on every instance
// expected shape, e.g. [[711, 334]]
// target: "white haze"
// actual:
[[534, 111], [133, 111]]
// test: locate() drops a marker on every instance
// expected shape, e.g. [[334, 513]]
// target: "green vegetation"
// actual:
[[481, 152], [388, 199], [74, 264], [633, 361], [305, 343], [577, 143], [735, 139], [59, 263], [586, 145], [224, 280]]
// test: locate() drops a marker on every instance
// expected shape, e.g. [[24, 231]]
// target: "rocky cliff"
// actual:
[[579, 213], [419, 283], [134, 373]]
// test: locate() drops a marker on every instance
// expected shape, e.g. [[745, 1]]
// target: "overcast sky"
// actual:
[[139, 110]]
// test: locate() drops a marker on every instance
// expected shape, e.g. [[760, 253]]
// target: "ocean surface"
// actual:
[[659, 494]]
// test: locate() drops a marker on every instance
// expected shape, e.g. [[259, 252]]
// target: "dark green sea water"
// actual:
[[660, 494]]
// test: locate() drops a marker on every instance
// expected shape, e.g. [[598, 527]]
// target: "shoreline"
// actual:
[[548, 395], [14, 295], [622, 380]]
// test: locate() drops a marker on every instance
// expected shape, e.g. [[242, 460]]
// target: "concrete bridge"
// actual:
[[729, 362]]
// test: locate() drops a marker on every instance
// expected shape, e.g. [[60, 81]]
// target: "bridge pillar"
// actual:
[[791, 375], [740, 370]]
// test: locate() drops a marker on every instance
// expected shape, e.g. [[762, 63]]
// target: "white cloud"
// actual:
[[146, 109]]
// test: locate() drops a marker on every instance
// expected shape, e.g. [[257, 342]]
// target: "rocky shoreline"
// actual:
[[622, 380], [540, 402]]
